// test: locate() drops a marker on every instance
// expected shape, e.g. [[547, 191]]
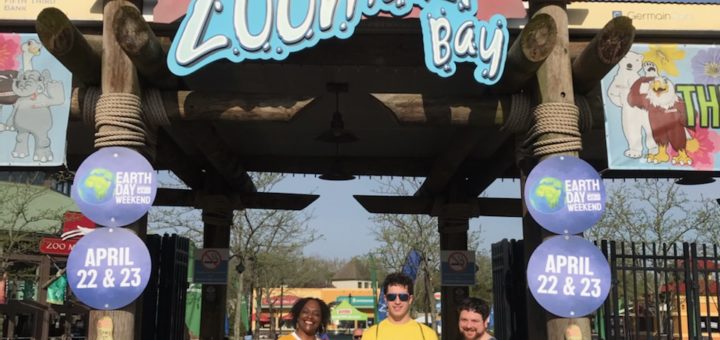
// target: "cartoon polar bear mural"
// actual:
[[634, 120]]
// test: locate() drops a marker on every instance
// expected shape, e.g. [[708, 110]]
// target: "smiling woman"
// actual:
[[310, 317]]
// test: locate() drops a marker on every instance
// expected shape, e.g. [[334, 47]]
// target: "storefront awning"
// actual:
[[345, 311]]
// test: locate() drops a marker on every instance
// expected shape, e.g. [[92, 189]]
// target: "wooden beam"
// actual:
[[196, 105], [64, 41], [171, 156], [501, 207], [602, 54], [224, 160], [527, 53], [448, 163], [502, 159], [420, 109], [362, 166], [414, 205], [256, 200], [139, 42]]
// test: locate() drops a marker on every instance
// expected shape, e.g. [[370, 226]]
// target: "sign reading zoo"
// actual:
[[565, 195], [109, 268], [568, 276], [662, 108], [114, 186], [240, 30], [34, 103]]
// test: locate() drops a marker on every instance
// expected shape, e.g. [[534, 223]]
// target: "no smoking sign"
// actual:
[[457, 268], [211, 259], [211, 265], [457, 261]]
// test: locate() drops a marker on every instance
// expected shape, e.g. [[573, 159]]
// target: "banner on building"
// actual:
[[662, 108], [35, 94]]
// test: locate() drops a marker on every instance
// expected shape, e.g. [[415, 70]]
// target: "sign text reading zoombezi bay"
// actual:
[[240, 30]]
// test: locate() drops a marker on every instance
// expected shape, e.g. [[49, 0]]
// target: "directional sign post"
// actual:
[[109, 268], [568, 276]]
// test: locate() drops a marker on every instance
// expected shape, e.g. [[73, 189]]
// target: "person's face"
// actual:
[[357, 334], [310, 317], [472, 325], [398, 309]]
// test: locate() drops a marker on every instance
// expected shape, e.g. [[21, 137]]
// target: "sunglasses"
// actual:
[[357, 336], [392, 296]]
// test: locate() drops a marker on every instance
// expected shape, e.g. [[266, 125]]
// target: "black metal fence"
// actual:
[[659, 291]]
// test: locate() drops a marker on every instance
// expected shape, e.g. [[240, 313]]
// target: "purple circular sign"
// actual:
[[565, 195], [114, 186], [108, 268], [568, 276]]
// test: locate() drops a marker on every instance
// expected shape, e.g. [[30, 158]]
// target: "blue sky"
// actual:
[[345, 224]]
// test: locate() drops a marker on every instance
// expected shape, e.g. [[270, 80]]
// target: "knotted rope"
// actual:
[[555, 118], [519, 119], [128, 116], [122, 113]]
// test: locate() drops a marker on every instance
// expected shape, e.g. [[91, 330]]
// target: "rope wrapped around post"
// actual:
[[122, 112], [555, 118], [518, 121]]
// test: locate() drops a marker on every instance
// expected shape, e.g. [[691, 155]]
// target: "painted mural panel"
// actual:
[[662, 108], [35, 94]]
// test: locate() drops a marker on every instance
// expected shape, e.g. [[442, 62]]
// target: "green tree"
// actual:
[[653, 211], [28, 211]]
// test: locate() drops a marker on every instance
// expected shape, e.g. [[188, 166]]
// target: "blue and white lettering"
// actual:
[[272, 29]]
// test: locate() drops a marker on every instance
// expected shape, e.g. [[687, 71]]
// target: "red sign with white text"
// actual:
[[56, 246]]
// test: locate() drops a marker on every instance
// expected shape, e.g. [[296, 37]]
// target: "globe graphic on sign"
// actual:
[[548, 195], [97, 187]]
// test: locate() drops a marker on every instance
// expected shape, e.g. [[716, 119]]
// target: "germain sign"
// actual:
[[240, 30]]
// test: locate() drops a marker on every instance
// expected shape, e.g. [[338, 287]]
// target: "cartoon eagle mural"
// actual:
[[666, 112]]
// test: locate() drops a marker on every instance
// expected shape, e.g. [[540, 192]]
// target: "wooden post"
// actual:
[[527, 53], [118, 75], [68, 45], [217, 215], [42, 326], [602, 54], [453, 236], [554, 86]]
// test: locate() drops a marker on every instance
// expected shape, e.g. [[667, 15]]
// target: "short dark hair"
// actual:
[[476, 305], [324, 313], [400, 279]]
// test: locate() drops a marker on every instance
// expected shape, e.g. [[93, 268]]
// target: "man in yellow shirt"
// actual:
[[398, 289]]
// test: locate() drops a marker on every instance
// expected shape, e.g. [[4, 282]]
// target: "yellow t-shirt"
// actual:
[[411, 330], [291, 336]]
